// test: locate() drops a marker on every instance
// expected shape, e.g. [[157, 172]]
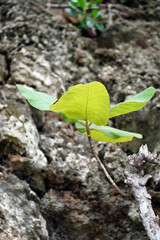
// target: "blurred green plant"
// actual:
[[87, 14]]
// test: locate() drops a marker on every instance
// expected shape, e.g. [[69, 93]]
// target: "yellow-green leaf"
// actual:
[[133, 104], [85, 102], [75, 86], [108, 134]]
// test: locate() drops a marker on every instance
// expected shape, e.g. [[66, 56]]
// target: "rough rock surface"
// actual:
[[19, 139], [49, 54], [20, 216]]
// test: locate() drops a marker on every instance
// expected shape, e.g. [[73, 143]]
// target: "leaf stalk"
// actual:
[[101, 164]]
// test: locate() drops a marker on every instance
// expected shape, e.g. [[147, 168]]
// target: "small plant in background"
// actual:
[[88, 106], [85, 14]]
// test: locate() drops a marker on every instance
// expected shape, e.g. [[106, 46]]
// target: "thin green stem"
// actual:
[[101, 164]]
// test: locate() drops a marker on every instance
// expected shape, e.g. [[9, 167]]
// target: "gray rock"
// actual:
[[20, 215], [69, 168], [32, 69], [3, 69], [19, 136], [50, 55]]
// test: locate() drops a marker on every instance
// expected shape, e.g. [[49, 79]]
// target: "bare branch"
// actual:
[[42, 8], [137, 180]]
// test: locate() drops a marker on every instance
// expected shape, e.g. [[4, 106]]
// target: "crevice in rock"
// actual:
[[8, 63]]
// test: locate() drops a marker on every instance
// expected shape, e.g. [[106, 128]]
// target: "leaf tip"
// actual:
[[140, 136]]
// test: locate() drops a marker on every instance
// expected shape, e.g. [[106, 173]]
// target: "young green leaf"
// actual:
[[71, 12], [108, 134], [85, 102], [95, 13], [39, 100], [99, 26], [82, 3], [74, 3], [133, 104], [89, 23], [81, 25], [76, 9]]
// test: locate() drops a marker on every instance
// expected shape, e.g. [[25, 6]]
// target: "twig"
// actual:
[[61, 6], [137, 180], [109, 14], [42, 8], [125, 11], [101, 164]]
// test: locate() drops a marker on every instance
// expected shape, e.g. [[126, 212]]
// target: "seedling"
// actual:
[[86, 14], [88, 106]]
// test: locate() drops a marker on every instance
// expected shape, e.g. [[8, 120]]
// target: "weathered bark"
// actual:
[[137, 180]]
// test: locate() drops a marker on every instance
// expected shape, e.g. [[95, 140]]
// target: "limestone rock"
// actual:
[[3, 68], [72, 169], [32, 69], [19, 139], [20, 215], [50, 55]]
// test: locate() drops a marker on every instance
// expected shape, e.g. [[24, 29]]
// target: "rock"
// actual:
[[50, 55], [30, 68], [67, 209], [133, 213], [118, 33], [72, 170], [19, 139], [155, 172], [3, 69], [72, 217], [20, 215], [114, 159]]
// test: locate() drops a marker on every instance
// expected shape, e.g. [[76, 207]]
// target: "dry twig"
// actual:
[[137, 180], [42, 8]]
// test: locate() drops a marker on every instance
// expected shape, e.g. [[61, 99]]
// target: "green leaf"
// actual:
[[99, 26], [75, 86], [85, 102], [71, 12], [39, 100], [133, 104], [108, 134], [74, 3], [94, 2], [82, 3], [65, 119], [80, 127], [81, 25], [89, 23], [76, 9], [95, 13]]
